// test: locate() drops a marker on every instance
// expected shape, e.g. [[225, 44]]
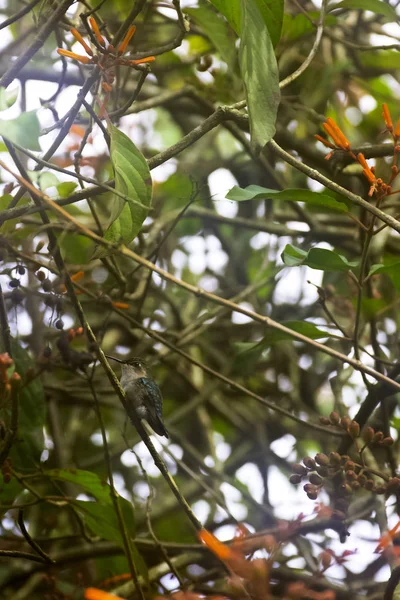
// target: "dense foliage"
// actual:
[[211, 186]]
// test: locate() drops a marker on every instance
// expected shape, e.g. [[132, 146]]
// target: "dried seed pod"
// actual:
[[323, 471], [315, 479], [309, 462], [322, 459], [299, 469], [334, 458], [309, 487], [295, 479], [41, 275], [47, 285], [17, 296]]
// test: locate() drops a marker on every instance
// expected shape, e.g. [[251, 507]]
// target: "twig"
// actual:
[[30, 541]]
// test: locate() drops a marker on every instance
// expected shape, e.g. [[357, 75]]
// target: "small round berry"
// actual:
[[295, 479], [47, 285], [17, 296], [59, 324], [41, 275], [322, 459], [14, 283], [21, 270]]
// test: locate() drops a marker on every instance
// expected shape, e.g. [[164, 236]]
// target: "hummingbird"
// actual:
[[143, 396]]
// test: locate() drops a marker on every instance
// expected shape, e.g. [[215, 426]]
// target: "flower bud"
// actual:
[[349, 465], [345, 422], [354, 429], [368, 434], [334, 418], [387, 441]]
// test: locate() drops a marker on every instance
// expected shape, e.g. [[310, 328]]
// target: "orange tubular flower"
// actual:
[[124, 44], [387, 117], [336, 134], [366, 169], [83, 59], [96, 30], [140, 61], [323, 141], [77, 276], [397, 130], [82, 42], [120, 305]]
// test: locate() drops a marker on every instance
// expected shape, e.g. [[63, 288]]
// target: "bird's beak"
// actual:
[[113, 358]]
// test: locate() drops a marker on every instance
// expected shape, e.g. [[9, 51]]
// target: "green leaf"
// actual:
[[392, 270], [66, 188], [271, 12], [7, 98], [24, 130], [29, 444], [316, 258], [253, 192], [132, 178], [48, 179], [231, 11], [76, 249], [249, 352], [218, 30], [382, 59], [260, 74], [102, 520], [90, 482], [376, 6]]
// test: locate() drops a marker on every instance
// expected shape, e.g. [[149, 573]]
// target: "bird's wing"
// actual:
[[149, 389]]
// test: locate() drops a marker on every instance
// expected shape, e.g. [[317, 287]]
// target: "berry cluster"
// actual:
[[343, 475]]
